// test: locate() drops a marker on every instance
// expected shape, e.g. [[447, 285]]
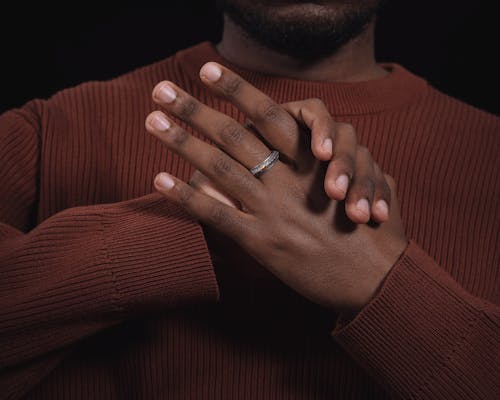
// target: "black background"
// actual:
[[45, 48]]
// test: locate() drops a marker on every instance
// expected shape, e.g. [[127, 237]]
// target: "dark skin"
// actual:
[[286, 221], [293, 218], [353, 62]]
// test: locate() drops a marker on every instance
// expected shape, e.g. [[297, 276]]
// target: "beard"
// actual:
[[303, 30]]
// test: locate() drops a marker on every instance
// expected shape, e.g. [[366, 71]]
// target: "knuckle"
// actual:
[[231, 86], [365, 154], [247, 184], [296, 191], [184, 194], [196, 180], [231, 133], [367, 185], [270, 111], [187, 109], [178, 137], [326, 122], [221, 166], [345, 162], [347, 129], [316, 101], [363, 150], [218, 216], [275, 241]]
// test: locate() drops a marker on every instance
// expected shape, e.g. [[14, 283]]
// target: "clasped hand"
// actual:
[[305, 219]]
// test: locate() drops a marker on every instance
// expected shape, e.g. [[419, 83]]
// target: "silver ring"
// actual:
[[266, 164]]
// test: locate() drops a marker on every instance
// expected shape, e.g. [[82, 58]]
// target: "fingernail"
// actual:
[[211, 72], [166, 94], [164, 181], [328, 146], [382, 207], [160, 123], [342, 182], [363, 206]]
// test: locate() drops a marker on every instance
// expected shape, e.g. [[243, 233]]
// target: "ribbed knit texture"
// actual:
[[108, 291]]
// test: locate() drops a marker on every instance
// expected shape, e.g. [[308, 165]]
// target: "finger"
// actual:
[[342, 166], [202, 207], [228, 134], [314, 114], [382, 197], [360, 195], [324, 133], [394, 204], [203, 184], [228, 174], [276, 125], [394, 210]]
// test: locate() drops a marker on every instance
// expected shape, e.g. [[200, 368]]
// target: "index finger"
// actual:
[[277, 126]]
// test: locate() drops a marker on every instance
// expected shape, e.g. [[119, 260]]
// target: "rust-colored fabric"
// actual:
[[108, 291]]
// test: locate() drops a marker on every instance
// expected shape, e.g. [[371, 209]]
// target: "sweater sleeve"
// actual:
[[85, 268], [424, 337]]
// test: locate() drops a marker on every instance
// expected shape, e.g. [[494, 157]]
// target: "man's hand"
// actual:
[[286, 220], [350, 176]]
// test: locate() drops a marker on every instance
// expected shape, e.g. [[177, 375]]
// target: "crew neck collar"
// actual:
[[396, 89]]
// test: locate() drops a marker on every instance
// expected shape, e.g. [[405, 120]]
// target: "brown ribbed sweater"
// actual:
[[109, 292]]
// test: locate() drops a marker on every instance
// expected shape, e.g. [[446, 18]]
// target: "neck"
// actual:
[[353, 62]]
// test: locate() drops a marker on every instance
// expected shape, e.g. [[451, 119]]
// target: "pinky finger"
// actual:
[[382, 197], [202, 207]]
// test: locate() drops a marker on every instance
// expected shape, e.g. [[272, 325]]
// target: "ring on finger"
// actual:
[[266, 164]]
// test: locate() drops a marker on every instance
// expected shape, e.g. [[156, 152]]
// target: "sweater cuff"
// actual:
[[413, 332], [158, 255]]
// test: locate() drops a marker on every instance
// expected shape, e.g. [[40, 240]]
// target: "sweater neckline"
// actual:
[[395, 90]]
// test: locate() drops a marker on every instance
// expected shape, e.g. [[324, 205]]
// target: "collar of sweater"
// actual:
[[399, 88]]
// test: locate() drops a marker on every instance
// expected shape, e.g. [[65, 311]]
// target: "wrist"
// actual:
[[379, 268]]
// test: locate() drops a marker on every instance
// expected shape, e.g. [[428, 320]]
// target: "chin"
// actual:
[[302, 29]]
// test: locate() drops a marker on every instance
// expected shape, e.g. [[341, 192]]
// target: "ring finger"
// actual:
[[232, 177]]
